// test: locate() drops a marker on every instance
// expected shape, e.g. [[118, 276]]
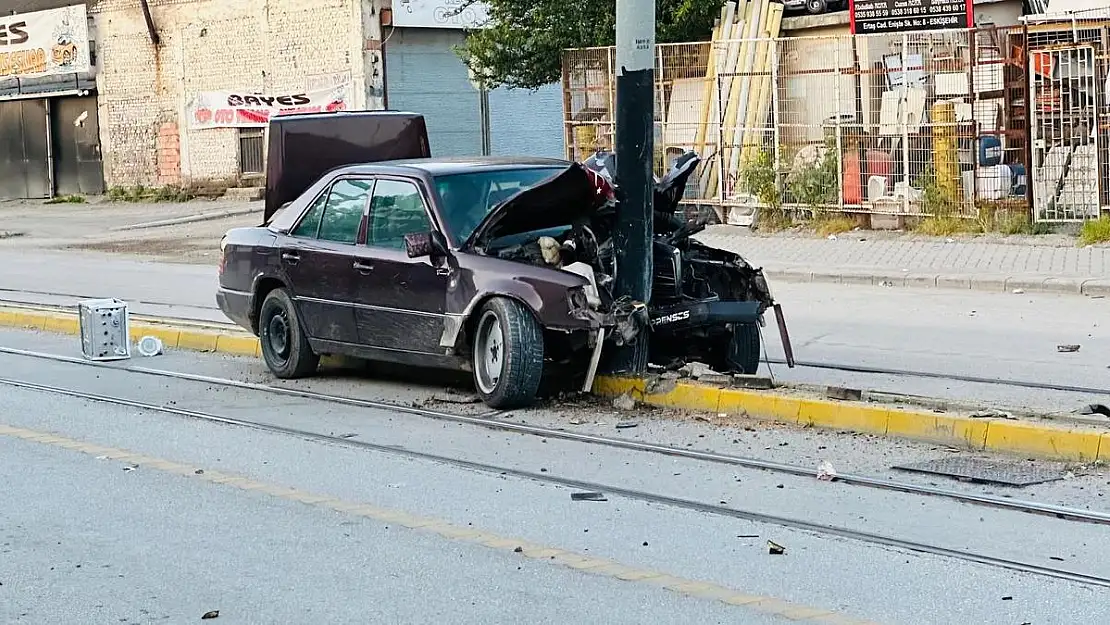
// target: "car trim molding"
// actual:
[[405, 311]]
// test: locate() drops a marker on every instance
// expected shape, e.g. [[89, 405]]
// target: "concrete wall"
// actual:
[[212, 45]]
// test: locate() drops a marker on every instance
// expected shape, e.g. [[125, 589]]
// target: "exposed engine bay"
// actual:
[[707, 304]]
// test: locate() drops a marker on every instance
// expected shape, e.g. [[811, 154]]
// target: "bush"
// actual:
[[1094, 232]]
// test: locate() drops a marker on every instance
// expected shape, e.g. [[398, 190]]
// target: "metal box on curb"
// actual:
[[105, 329]]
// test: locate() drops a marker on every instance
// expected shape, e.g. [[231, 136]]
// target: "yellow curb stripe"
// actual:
[[445, 529], [1039, 439]]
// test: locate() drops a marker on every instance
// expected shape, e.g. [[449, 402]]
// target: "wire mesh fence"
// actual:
[[908, 124]]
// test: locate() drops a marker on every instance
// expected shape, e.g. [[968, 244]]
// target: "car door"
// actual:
[[399, 303], [319, 258]]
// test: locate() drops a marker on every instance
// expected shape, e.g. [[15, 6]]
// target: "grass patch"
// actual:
[[946, 226], [827, 225], [1096, 231], [1008, 217], [169, 193], [66, 199]]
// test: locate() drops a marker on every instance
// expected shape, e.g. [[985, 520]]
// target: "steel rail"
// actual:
[[486, 420], [638, 495]]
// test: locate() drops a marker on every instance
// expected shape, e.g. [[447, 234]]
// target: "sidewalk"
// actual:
[[1053, 265]]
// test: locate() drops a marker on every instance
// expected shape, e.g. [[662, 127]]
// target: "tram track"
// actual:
[[568, 482], [489, 420]]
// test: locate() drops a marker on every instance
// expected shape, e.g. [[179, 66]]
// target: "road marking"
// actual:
[[444, 529]]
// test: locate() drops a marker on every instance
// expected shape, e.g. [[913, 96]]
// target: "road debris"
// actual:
[[1067, 349], [518, 550], [1019, 291], [991, 413], [150, 346], [211, 614], [624, 425], [1091, 409], [845, 394], [775, 549], [577, 421], [826, 472], [624, 402], [131, 467], [590, 496], [348, 435]]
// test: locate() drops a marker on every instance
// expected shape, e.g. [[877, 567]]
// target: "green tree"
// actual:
[[523, 45]]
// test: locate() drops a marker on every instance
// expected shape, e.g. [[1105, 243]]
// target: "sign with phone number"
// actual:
[[896, 16]]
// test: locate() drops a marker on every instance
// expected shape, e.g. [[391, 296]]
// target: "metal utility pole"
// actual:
[[635, 152]]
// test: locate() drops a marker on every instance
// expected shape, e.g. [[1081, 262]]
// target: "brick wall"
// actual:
[[213, 45]]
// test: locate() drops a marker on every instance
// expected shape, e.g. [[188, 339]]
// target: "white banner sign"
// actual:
[[439, 14], [233, 109], [44, 43]]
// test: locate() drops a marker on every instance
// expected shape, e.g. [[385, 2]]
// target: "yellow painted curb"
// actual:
[[1003, 435], [1028, 438]]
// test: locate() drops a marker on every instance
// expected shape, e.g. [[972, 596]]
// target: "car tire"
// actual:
[[816, 7], [285, 346], [740, 354], [507, 354]]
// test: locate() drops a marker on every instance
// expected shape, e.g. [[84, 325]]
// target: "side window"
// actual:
[[397, 210], [311, 221], [343, 214]]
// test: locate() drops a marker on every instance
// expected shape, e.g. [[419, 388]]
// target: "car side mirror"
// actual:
[[421, 244]]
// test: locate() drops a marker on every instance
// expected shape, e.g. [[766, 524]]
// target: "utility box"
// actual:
[[105, 329]]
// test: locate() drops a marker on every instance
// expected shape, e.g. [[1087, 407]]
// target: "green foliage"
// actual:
[[66, 199], [169, 193], [759, 177], [523, 45], [816, 184], [1096, 231]]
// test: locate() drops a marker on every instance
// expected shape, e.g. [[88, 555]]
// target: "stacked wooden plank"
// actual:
[[738, 91]]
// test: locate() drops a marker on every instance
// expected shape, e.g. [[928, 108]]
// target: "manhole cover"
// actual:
[[988, 471]]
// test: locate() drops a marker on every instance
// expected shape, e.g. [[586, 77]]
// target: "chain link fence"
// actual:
[[916, 124]]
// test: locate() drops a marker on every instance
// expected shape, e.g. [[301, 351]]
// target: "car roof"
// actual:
[[440, 166]]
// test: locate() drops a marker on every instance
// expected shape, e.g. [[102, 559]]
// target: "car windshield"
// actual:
[[468, 198]]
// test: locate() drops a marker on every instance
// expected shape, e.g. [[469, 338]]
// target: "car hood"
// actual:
[[560, 200]]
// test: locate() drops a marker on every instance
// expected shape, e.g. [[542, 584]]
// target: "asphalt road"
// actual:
[[994, 335], [87, 539]]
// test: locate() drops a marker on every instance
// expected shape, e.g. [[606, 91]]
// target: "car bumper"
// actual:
[[687, 316], [236, 305]]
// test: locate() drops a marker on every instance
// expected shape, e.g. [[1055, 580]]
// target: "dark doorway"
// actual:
[[24, 158], [78, 169]]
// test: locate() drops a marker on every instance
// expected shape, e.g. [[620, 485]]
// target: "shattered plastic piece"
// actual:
[[577, 421], [130, 467], [826, 472], [775, 549], [1067, 349], [1019, 291], [1091, 409], [591, 496], [624, 402], [150, 346], [625, 425], [210, 615]]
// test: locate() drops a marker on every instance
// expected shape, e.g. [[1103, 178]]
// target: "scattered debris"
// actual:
[[826, 472], [845, 394], [131, 467], [150, 346], [577, 421], [775, 549], [624, 402], [831, 237], [991, 413], [1056, 558], [451, 396], [1007, 598], [1019, 291], [886, 283], [748, 536], [1091, 409], [518, 550], [742, 380], [590, 496], [624, 425], [715, 378], [1067, 349], [348, 435], [199, 472], [210, 615]]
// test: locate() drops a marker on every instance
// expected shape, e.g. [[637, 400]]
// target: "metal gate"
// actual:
[[78, 167], [1064, 98], [24, 155]]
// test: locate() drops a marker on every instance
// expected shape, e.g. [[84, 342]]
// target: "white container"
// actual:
[[105, 329]]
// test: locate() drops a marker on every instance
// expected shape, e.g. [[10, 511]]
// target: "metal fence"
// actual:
[[909, 124], [1069, 81]]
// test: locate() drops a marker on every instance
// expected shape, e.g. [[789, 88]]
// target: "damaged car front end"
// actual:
[[707, 304]]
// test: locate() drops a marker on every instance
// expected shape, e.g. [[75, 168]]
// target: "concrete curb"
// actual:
[[991, 283], [187, 219], [1027, 438]]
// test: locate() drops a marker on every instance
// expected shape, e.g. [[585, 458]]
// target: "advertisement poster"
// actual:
[[231, 109], [439, 14], [897, 16], [44, 43]]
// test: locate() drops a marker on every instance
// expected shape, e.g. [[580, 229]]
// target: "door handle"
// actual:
[[363, 267], [290, 257]]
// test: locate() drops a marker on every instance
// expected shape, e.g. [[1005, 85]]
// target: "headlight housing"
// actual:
[[577, 299]]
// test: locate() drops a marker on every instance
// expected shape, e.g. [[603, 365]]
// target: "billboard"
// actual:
[[44, 43], [244, 109], [897, 16]]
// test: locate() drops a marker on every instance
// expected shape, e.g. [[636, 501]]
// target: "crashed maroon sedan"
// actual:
[[500, 266]]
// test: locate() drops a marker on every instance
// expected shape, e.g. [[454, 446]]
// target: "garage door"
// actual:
[[424, 75], [24, 157], [527, 123]]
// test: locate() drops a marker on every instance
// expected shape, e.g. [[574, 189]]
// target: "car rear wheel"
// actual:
[[508, 354], [285, 347]]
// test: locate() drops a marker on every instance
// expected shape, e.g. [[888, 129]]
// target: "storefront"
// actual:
[[49, 131]]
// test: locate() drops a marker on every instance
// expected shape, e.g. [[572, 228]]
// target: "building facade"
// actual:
[[49, 132]]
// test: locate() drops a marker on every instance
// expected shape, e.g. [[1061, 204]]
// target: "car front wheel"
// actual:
[[741, 353], [508, 354], [285, 347]]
